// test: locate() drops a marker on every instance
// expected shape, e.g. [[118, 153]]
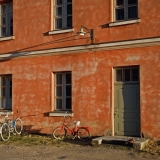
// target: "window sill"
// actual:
[[3, 112], [60, 31], [6, 38], [120, 23], [60, 113]]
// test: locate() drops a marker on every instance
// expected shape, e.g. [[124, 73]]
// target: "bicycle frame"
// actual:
[[12, 123], [64, 126], [73, 131]]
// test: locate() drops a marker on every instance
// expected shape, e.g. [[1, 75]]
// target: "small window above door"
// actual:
[[127, 74]]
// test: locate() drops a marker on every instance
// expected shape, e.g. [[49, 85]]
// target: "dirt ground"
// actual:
[[71, 151]]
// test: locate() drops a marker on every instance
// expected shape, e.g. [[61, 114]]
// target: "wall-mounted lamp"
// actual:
[[90, 31]]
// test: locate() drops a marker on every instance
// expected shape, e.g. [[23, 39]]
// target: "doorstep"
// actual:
[[137, 142]]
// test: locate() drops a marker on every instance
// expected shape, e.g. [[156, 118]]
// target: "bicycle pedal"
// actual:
[[74, 137]]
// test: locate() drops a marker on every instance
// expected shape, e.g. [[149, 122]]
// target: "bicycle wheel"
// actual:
[[5, 131], [83, 134], [18, 126], [59, 133]]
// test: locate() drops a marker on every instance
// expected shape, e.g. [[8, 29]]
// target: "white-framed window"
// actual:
[[6, 92], [63, 91], [6, 19], [126, 9], [62, 14]]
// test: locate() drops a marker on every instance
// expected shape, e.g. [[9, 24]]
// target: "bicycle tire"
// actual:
[[18, 127], [59, 133], [5, 132], [83, 134]]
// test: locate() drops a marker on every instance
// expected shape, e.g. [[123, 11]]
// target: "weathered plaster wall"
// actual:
[[91, 71], [92, 88], [32, 21]]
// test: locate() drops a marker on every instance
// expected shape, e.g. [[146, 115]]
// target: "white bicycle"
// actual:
[[14, 126]]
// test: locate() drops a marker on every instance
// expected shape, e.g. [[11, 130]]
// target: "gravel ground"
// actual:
[[71, 152]]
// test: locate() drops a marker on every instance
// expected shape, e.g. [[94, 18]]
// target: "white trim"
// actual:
[[77, 49], [112, 103], [120, 23], [60, 114], [7, 38], [61, 31], [52, 15]]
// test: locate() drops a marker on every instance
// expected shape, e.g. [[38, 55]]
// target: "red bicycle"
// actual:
[[80, 132]]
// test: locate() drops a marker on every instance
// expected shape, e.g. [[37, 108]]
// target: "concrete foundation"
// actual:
[[136, 142]]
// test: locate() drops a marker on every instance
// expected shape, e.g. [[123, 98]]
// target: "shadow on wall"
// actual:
[[29, 129], [24, 51]]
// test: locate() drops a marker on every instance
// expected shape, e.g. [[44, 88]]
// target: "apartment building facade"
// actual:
[[108, 78]]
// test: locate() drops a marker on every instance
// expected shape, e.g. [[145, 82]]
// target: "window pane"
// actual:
[[10, 20], [59, 23], [69, 9], [4, 31], [135, 74], [59, 91], [58, 2], [4, 9], [68, 103], [10, 92], [68, 78], [69, 21], [132, 12], [58, 103], [119, 75], [3, 81], [58, 78], [120, 14], [119, 2], [3, 103], [10, 7], [11, 30], [58, 11], [68, 90], [132, 1], [10, 83], [3, 92], [3, 20], [126, 74], [69, 1]]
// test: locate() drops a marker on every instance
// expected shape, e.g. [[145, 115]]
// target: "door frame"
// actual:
[[112, 98]]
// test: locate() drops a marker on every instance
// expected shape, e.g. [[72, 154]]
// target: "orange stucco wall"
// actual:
[[92, 75], [32, 21], [92, 87]]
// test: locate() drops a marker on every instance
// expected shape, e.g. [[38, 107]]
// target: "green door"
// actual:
[[127, 102]]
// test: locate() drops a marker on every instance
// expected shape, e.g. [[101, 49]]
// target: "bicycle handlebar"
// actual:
[[66, 116], [7, 114]]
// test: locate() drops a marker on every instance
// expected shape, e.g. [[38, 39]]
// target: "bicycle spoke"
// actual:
[[83, 134], [5, 131], [18, 126], [59, 133]]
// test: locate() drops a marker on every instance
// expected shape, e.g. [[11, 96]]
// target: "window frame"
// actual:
[[7, 18], [125, 6], [64, 96], [7, 88], [63, 16]]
